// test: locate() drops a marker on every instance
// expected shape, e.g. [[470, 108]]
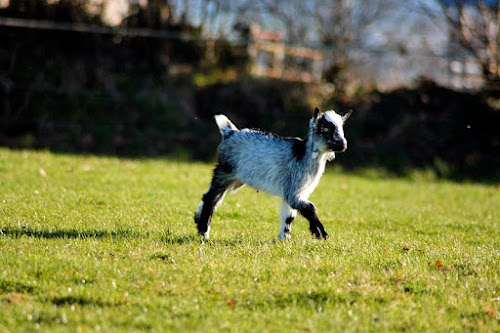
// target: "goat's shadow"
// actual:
[[167, 238], [179, 239], [67, 234], [173, 239]]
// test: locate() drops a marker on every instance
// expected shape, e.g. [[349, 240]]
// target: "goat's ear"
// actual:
[[346, 115], [316, 113]]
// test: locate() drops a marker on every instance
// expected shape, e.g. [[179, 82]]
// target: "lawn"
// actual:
[[94, 243]]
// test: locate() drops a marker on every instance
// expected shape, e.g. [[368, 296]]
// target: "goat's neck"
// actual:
[[314, 154]]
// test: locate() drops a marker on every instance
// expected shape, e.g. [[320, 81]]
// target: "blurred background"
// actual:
[[141, 78]]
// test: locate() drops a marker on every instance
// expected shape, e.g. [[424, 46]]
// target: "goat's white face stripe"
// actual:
[[328, 118], [336, 119]]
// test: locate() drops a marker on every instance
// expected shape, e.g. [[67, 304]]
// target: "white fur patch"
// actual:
[[285, 212], [334, 118], [225, 125]]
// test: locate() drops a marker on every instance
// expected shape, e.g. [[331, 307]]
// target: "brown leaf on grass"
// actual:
[[14, 298], [493, 314], [438, 264], [231, 303]]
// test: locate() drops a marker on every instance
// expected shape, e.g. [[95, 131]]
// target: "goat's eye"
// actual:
[[325, 129]]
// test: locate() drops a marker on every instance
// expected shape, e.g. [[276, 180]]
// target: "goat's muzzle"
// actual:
[[339, 146]]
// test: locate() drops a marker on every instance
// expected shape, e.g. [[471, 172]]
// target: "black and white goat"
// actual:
[[286, 167]]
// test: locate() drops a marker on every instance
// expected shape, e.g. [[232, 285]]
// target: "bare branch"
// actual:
[[477, 26]]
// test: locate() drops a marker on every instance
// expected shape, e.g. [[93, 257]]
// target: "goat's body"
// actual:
[[267, 162], [289, 168]]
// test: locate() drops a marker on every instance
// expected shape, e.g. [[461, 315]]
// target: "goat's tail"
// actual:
[[226, 127]]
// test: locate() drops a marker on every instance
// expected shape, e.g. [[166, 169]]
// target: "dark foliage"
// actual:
[[456, 133], [60, 11], [84, 92]]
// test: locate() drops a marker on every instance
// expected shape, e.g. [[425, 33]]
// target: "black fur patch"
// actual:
[[218, 187], [228, 134], [309, 212], [289, 220], [298, 148], [223, 167], [323, 123]]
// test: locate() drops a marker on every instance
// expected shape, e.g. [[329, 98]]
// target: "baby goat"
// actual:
[[286, 167]]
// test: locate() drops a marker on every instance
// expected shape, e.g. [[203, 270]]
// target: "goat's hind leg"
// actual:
[[287, 215], [221, 182]]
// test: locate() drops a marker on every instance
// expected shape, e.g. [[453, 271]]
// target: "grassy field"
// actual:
[[90, 244]]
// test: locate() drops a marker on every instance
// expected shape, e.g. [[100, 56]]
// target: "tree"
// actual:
[[343, 26], [150, 14], [338, 26], [475, 25]]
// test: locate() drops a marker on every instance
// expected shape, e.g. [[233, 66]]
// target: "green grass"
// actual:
[[90, 243]]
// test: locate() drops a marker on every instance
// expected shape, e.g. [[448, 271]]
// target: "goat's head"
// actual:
[[328, 130]]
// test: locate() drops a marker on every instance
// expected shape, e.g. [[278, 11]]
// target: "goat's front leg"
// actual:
[[287, 215], [307, 209]]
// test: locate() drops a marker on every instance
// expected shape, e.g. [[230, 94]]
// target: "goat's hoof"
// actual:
[[320, 235], [204, 234]]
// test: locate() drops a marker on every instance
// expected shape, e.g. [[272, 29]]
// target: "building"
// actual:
[[271, 57]]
